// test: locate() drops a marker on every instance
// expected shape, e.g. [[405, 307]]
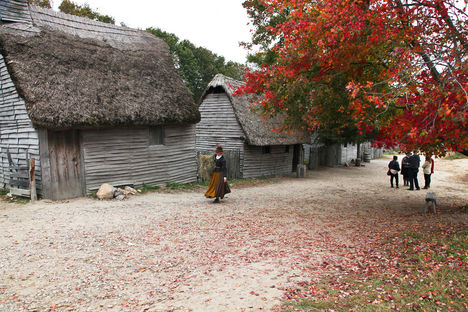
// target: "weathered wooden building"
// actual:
[[227, 120], [93, 103], [338, 154]]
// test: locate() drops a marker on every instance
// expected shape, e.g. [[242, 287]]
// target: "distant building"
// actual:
[[227, 120], [338, 154]]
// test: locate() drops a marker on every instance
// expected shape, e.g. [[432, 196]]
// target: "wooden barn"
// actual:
[[91, 102], [227, 120]]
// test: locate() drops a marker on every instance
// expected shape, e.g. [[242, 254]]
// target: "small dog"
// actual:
[[430, 199]]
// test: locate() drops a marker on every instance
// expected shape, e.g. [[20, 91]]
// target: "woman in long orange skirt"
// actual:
[[218, 183]]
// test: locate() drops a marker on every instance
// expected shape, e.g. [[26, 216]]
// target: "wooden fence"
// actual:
[[19, 175], [22, 181], [232, 161]]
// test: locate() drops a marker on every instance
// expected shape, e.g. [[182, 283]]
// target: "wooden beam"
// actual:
[[32, 179], [20, 192], [45, 162]]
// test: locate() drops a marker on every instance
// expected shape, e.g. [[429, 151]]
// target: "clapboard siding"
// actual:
[[278, 161], [337, 154], [348, 153], [219, 125], [17, 134], [124, 157], [15, 11]]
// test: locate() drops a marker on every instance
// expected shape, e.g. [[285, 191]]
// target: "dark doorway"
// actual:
[[296, 156]]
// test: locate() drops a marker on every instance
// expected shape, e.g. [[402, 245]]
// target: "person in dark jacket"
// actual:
[[414, 162], [405, 169], [394, 168], [218, 183]]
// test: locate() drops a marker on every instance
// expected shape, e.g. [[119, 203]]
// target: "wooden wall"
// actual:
[[315, 154], [15, 11], [17, 133], [123, 157], [336, 154], [348, 153], [257, 164], [219, 126]]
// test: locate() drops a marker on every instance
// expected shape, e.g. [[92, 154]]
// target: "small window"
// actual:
[[286, 149], [266, 149], [346, 145], [156, 136]]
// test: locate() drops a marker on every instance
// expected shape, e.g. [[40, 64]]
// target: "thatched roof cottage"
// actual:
[[227, 120], [92, 102]]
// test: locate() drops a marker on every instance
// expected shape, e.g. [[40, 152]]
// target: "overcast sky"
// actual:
[[218, 25]]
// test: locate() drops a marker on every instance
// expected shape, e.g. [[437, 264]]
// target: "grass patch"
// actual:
[[185, 186], [411, 235], [92, 195], [443, 291], [13, 199], [172, 186], [430, 276], [248, 182], [149, 188], [239, 183]]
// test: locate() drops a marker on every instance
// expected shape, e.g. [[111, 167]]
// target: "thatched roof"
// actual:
[[73, 72], [257, 131]]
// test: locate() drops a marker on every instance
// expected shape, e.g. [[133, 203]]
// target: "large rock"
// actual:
[[129, 191], [106, 191]]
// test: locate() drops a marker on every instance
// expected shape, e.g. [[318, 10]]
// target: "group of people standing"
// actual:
[[410, 164], [409, 169]]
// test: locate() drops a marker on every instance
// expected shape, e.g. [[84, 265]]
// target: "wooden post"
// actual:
[[301, 168], [32, 180], [358, 155]]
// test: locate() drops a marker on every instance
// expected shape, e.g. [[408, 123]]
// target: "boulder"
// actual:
[[106, 191], [118, 192], [129, 190], [121, 197]]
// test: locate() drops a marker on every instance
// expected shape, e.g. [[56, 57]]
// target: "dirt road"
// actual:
[[179, 252]]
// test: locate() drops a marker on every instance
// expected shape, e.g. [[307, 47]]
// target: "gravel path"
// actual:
[[179, 252]]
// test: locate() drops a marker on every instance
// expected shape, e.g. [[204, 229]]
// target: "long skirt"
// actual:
[[217, 188]]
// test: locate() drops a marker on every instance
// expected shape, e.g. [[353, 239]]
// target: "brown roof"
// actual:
[[257, 130], [74, 72]]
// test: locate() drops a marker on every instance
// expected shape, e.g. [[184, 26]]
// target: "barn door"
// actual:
[[65, 164]]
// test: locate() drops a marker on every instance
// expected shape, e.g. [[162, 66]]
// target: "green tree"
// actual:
[[197, 65], [41, 3], [264, 18], [72, 8]]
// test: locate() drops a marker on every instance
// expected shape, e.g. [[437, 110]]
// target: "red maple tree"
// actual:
[[397, 68]]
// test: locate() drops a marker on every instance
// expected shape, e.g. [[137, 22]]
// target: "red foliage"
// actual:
[[405, 62]]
